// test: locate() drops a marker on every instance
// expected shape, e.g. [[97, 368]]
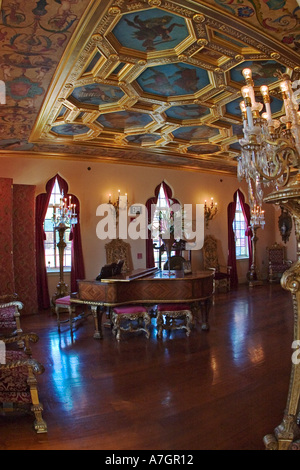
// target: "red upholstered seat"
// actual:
[[7, 317], [63, 301], [172, 307], [128, 309], [18, 385], [167, 314], [130, 313]]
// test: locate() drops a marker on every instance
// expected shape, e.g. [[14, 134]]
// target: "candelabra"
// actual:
[[210, 211], [257, 221], [270, 155], [120, 204], [63, 218]]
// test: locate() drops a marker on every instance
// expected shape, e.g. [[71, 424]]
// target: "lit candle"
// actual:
[[246, 95], [109, 198], [266, 97]]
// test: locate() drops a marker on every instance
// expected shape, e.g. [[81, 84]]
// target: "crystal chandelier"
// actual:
[[65, 214], [270, 146], [257, 217]]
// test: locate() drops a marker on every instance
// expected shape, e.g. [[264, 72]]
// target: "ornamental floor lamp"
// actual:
[[270, 155], [63, 219], [257, 221]]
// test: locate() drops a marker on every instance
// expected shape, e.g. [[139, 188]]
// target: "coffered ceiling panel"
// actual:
[[143, 82]]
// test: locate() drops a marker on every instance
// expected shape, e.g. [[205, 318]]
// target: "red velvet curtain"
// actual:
[[231, 243], [247, 214], [231, 236], [150, 263], [77, 269], [77, 263]]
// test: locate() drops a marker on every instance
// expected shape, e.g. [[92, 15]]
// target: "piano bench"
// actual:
[[130, 313], [167, 314], [64, 303]]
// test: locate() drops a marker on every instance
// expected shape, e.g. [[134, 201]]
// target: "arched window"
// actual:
[[240, 228], [162, 203], [239, 234], [77, 264], [162, 199], [51, 240]]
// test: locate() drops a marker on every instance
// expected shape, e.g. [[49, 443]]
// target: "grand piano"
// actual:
[[147, 287]]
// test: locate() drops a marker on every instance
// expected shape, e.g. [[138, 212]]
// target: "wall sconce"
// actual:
[[120, 204], [210, 211]]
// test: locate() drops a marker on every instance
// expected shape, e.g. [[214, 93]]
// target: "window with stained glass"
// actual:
[[52, 237], [240, 228]]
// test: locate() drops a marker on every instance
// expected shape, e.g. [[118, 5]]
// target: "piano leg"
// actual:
[[205, 308], [97, 314]]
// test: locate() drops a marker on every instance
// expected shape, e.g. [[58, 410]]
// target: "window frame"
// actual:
[[55, 197], [243, 228]]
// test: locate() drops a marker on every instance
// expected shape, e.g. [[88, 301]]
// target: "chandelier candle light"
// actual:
[[270, 155], [64, 218]]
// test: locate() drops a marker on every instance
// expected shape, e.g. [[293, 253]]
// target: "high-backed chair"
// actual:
[[277, 262], [176, 263], [18, 383], [117, 250], [211, 261]]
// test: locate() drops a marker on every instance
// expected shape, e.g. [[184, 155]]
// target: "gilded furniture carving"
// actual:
[[168, 316], [277, 263], [132, 314], [286, 436], [18, 383], [10, 321], [211, 261], [117, 250]]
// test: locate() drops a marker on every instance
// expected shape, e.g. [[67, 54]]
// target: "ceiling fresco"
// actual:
[[142, 82]]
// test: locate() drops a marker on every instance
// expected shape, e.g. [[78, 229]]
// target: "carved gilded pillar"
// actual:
[[287, 434]]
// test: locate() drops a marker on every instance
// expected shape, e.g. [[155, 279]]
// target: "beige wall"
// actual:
[[93, 186]]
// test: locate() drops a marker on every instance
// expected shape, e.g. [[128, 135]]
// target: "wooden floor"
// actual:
[[218, 390]]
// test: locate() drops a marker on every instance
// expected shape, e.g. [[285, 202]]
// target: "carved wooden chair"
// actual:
[[10, 322], [277, 262], [18, 383], [211, 261], [117, 250], [131, 315]]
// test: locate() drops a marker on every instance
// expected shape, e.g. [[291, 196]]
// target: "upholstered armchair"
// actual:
[[18, 383], [10, 322], [277, 262], [211, 261]]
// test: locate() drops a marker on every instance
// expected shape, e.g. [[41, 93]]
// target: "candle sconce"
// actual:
[[121, 203], [210, 211]]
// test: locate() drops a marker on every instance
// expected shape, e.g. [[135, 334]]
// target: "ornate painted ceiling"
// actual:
[[142, 82]]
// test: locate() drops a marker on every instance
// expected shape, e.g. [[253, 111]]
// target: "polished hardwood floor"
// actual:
[[218, 390]]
